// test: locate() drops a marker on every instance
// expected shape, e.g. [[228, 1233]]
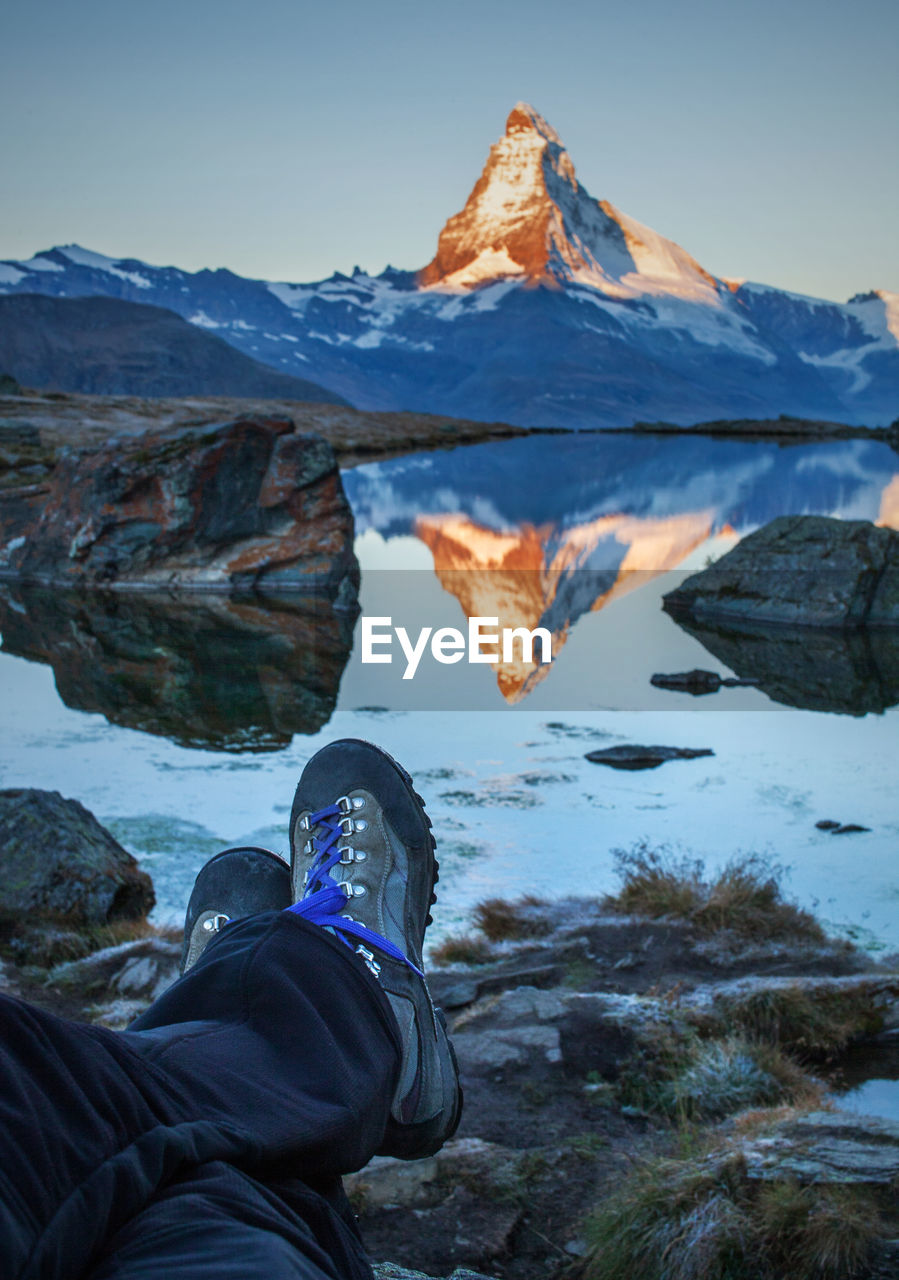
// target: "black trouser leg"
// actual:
[[217, 1223], [276, 1054]]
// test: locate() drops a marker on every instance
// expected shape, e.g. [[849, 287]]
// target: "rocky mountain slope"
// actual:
[[542, 306], [109, 346]]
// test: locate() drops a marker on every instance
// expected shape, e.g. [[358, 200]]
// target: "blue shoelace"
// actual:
[[324, 898]]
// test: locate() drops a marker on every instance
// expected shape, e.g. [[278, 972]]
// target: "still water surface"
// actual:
[[185, 726]]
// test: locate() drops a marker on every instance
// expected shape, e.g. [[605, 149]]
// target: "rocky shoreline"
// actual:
[[355, 435], [82, 421], [783, 430], [680, 1026]]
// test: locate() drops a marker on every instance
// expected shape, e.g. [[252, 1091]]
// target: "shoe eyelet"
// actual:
[[348, 826]]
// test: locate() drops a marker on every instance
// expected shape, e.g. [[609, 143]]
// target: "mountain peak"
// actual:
[[523, 117], [528, 218]]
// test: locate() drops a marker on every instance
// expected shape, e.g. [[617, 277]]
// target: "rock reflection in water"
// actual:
[[230, 674], [853, 671]]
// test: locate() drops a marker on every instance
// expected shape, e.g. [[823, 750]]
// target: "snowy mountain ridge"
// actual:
[[529, 216], [542, 305]]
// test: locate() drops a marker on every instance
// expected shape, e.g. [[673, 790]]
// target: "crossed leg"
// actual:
[[216, 1127]]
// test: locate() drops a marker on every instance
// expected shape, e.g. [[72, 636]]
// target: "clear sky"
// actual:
[[287, 139]]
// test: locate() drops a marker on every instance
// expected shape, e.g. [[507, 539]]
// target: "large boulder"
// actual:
[[59, 865], [247, 505], [810, 570]]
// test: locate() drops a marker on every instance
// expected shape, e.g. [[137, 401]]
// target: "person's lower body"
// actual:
[[217, 1223], [299, 1042], [252, 1111]]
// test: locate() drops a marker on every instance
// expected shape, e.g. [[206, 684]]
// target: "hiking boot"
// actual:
[[363, 865], [235, 883]]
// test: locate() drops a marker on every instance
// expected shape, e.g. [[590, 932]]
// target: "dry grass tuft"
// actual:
[[693, 1079], [462, 949], [49, 946], [726, 1076], [816, 1230], [701, 1218], [817, 1024], [500, 920], [746, 897]]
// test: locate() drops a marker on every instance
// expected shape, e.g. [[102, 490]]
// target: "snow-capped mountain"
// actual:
[[529, 217], [541, 306]]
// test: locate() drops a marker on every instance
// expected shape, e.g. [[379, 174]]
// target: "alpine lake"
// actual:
[[183, 723]]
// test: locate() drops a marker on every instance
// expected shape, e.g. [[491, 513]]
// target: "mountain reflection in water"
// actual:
[[537, 532], [545, 576], [541, 531], [201, 670]]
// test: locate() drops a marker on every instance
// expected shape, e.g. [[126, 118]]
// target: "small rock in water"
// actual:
[[635, 757], [839, 828], [697, 681]]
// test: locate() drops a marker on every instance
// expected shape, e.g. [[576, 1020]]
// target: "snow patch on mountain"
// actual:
[[294, 296], [203, 321], [100, 262], [10, 274], [663, 268], [490, 265], [42, 263], [878, 316]]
